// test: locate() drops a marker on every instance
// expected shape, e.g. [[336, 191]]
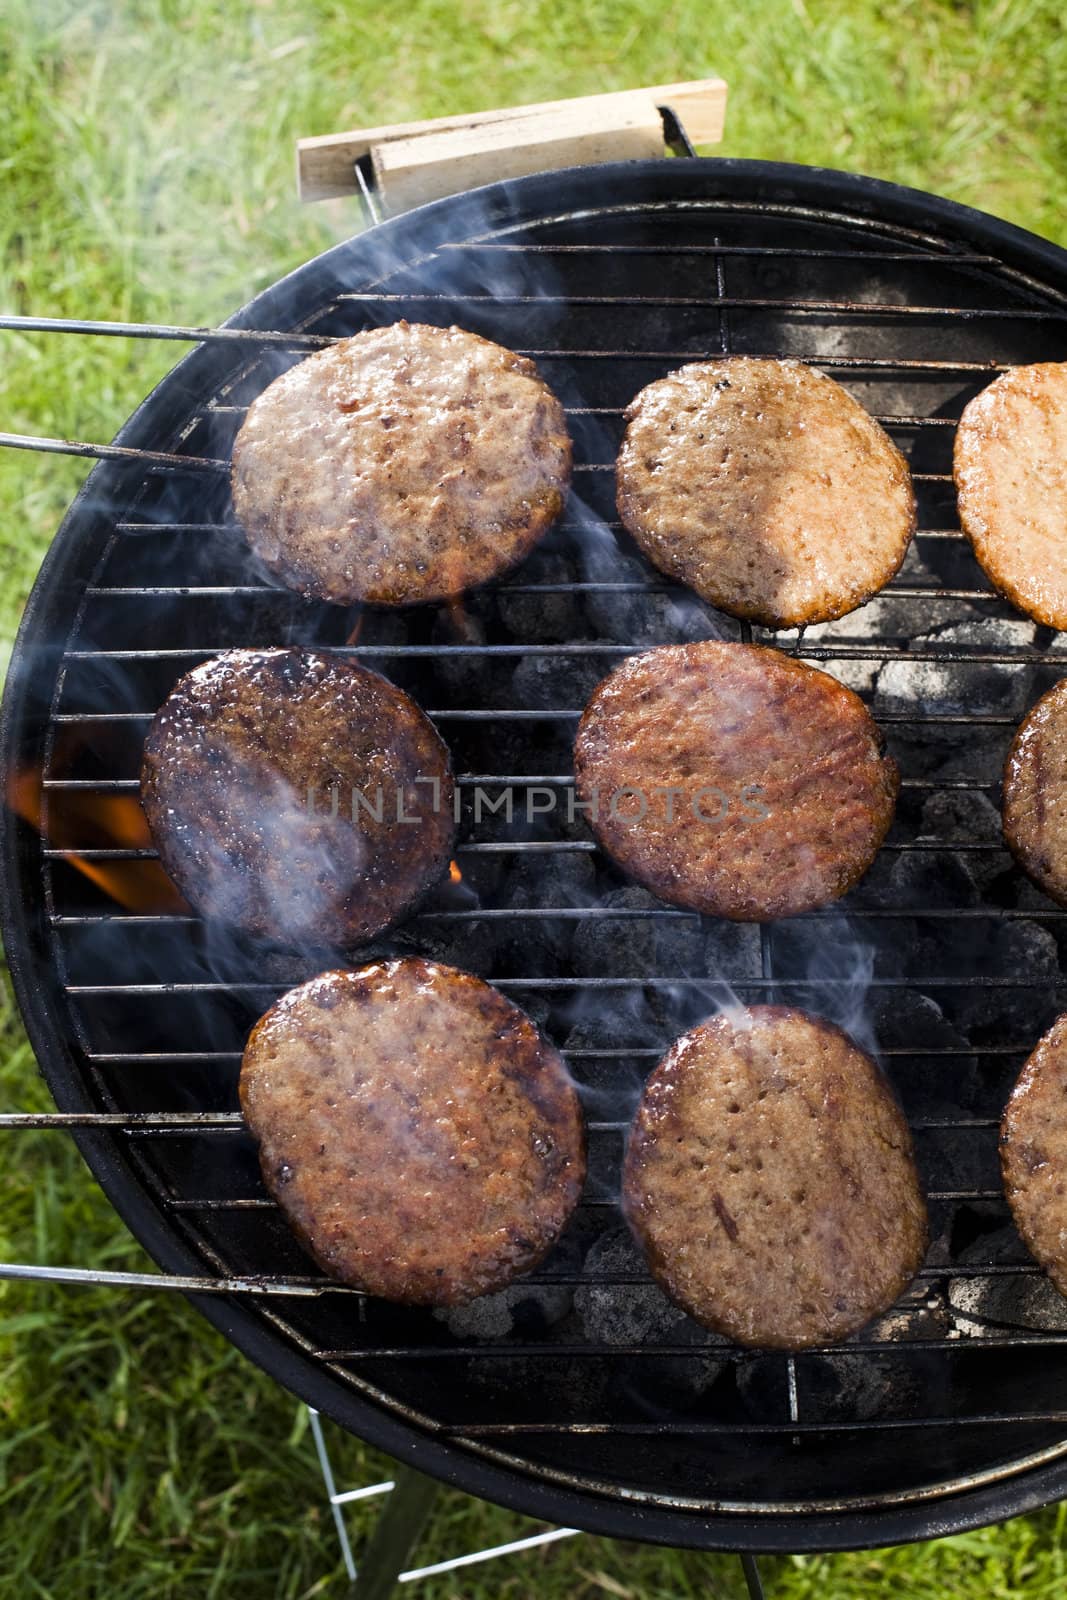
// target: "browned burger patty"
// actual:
[[770, 1179], [1011, 480], [734, 780], [405, 464], [1035, 793], [422, 1137], [1033, 1153], [276, 782], [766, 487]]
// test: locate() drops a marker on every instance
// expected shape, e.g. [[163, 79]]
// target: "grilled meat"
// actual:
[[766, 487], [298, 796], [407, 463], [770, 1180], [1010, 467], [422, 1137], [734, 780]]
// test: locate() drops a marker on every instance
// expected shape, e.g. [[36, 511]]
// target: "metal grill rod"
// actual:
[[158, 460], [319, 341], [920, 257], [92, 1278], [796, 306], [534, 984], [1023, 656]]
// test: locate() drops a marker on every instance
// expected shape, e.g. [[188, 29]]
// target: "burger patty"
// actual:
[[423, 1139], [766, 487], [1010, 467], [1035, 793], [733, 779], [770, 1180], [298, 796], [1033, 1153], [407, 463]]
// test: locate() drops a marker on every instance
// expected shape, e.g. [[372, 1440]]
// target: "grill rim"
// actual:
[[48, 616]]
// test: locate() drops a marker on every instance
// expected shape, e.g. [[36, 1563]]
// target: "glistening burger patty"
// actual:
[[1010, 466], [1033, 1153], [770, 1179], [1035, 793], [734, 780], [766, 487], [422, 1137], [298, 796], [407, 463]]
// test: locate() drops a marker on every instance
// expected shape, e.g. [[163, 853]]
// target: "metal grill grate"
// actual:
[[581, 1395]]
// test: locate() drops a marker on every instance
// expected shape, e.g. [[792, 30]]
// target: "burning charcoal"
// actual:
[[905, 1019], [731, 950], [986, 1306], [1019, 948], [961, 686], [559, 682], [971, 752], [920, 878], [960, 817], [656, 615], [471, 946], [616, 1020], [921, 1313], [885, 618], [628, 1313], [549, 618], [494, 1316], [842, 1386], [665, 941]]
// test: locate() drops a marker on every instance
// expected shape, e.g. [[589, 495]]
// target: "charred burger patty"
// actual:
[[296, 795]]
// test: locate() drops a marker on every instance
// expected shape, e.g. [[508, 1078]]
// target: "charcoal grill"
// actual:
[[580, 1396]]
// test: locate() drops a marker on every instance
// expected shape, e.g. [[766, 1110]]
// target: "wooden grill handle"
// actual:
[[412, 162]]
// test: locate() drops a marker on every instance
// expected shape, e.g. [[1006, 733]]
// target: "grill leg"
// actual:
[[752, 1577], [399, 1526]]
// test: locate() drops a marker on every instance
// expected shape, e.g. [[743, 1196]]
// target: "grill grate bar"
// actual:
[[888, 420], [949, 719], [508, 779], [500, 847], [92, 1278], [619, 1053], [1023, 656], [163, 330], [589, 1203], [603, 984], [900, 591], [692, 1351], [608, 914], [227, 1121], [561, 527], [916, 477], [848, 308], [157, 460], [923, 257], [680, 1427], [891, 364]]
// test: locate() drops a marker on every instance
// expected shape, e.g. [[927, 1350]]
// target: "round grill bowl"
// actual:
[[581, 1397]]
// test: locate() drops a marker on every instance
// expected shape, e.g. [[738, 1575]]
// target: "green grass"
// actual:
[[146, 162]]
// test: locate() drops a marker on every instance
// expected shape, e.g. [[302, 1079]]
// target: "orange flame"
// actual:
[[454, 874], [98, 821], [357, 627]]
